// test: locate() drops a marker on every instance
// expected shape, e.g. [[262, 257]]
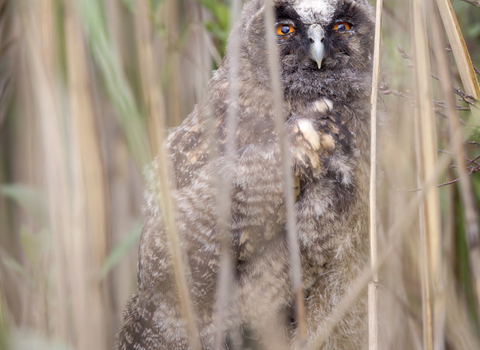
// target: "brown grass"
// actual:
[[87, 92]]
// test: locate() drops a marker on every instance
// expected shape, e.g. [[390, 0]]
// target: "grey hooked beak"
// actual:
[[316, 34]]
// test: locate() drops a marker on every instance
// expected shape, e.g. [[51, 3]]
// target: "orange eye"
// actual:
[[341, 27], [284, 29]]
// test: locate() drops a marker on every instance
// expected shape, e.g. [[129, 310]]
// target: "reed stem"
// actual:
[[296, 271], [373, 285], [156, 126]]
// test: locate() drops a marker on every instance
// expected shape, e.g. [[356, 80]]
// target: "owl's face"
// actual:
[[325, 47], [317, 37]]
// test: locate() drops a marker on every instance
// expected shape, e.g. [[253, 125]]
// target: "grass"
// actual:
[[88, 90]]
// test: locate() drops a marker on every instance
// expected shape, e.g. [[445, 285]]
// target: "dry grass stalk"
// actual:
[[460, 52], [3, 325], [125, 196], [225, 280], [170, 10], [37, 22], [112, 10], [7, 54], [373, 285], [296, 271], [426, 160], [472, 88], [156, 125], [89, 234], [152, 96], [457, 326], [446, 84], [2, 309]]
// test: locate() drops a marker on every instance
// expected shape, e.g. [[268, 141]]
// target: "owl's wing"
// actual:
[[137, 325], [257, 214], [152, 319]]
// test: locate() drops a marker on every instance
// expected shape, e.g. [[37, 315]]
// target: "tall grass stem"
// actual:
[[373, 285]]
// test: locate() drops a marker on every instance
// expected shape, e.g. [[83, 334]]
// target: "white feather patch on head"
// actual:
[[315, 11]]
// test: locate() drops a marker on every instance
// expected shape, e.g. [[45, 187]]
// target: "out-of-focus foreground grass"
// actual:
[[74, 141]]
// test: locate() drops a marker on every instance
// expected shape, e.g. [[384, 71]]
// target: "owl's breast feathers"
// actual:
[[318, 133]]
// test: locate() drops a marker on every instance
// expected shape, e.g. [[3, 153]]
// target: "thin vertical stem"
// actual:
[[156, 125], [3, 325], [88, 237], [437, 246], [296, 271], [41, 47], [2, 310], [170, 9], [424, 277], [426, 161], [470, 83], [373, 285], [225, 279]]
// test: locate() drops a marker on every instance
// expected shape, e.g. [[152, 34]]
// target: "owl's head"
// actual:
[[325, 47]]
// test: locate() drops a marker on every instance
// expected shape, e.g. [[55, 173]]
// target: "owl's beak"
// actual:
[[316, 35]]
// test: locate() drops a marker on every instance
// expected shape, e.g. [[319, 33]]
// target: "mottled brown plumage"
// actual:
[[327, 122]]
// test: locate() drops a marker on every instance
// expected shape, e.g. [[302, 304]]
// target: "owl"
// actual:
[[325, 50]]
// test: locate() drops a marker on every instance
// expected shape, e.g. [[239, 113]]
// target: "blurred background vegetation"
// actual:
[[74, 140]]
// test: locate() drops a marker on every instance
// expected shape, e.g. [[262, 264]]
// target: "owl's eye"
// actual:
[[341, 27], [284, 29]]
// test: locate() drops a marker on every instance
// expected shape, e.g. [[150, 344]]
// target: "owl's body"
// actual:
[[327, 122]]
